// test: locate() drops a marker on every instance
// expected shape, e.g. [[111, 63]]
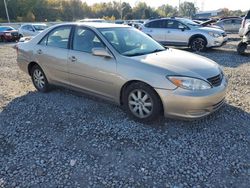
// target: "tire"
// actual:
[[3, 39], [241, 48], [198, 44], [39, 79], [142, 102]]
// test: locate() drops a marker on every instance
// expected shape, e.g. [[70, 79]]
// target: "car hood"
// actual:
[[211, 29], [178, 62]]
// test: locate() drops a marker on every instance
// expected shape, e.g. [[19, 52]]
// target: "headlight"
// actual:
[[189, 83], [216, 35], [8, 34]]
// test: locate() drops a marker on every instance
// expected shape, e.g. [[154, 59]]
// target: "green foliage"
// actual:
[[167, 11]]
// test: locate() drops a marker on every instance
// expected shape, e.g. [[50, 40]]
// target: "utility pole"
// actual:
[[179, 4], [6, 9], [121, 9]]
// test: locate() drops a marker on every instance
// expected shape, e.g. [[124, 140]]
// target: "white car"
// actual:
[[31, 29], [245, 25], [184, 32]]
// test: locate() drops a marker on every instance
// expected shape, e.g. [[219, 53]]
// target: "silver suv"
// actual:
[[184, 32]]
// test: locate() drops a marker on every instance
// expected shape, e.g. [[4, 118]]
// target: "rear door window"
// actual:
[[156, 24], [59, 37]]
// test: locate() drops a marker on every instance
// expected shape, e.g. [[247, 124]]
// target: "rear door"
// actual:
[[156, 30], [52, 53]]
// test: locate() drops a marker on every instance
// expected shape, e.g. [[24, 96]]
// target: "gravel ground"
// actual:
[[67, 139]]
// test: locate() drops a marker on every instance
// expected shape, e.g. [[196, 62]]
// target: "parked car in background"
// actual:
[[184, 32], [8, 33], [245, 25], [31, 29], [137, 25], [211, 23], [123, 65], [229, 24]]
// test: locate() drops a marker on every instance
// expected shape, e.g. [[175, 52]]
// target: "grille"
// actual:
[[216, 80]]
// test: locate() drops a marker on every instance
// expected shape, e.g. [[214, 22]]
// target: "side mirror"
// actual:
[[101, 52], [182, 28]]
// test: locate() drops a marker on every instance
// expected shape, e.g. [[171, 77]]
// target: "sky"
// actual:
[[204, 5]]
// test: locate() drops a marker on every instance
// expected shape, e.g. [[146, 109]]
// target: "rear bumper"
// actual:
[[188, 104]]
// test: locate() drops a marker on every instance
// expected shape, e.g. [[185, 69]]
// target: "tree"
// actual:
[[187, 9], [167, 11], [142, 11], [126, 11]]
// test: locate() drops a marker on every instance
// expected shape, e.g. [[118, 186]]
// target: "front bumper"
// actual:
[[188, 104], [217, 42]]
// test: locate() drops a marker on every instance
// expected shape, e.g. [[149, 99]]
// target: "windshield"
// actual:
[[6, 28], [130, 41], [189, 23], [39, 27]]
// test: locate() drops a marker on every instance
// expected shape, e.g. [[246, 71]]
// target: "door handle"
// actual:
[[39, 51], [73, 59], [169, 32]]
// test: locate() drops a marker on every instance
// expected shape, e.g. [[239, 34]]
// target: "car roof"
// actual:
[[96, 24]]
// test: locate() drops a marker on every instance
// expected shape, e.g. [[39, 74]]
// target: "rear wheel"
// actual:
[[198, 44], [39, 79], [241, 48], [142, 102]]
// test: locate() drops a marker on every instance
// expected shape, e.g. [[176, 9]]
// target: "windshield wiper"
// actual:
[[135, 54], [144, 53], [156, 50]]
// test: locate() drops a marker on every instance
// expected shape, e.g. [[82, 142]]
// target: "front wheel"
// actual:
[[198, 44], [39, 79], [241, 48], [142, 102]]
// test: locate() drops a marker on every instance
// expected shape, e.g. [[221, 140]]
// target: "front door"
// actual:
[[176, 33], [92, 73]]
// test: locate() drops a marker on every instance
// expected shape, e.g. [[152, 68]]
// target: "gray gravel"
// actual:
[[67, 139]]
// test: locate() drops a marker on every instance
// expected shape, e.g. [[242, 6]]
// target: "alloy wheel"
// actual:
[[39, 78], [198, 44], [140, 103]]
